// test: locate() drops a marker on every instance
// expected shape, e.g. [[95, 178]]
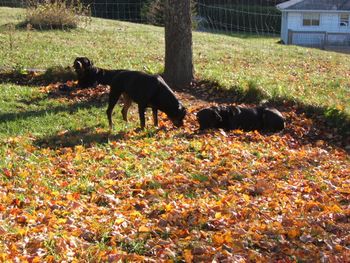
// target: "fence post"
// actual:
[[290, 37]]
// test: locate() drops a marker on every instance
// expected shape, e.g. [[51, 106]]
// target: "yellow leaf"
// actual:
[[144, 229], [55, 193], [335, 208], [22, 231], [61, 221], [118, 221], [3, 256], [188, 255], [246, 197], [228, 237], [169, 207], [111, 182], [218, 215], [135, 213]]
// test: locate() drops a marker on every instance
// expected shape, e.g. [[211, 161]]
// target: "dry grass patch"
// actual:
[[56, 14]]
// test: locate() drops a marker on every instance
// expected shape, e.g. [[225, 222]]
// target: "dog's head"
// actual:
[[178, 119], [86, 72], [273, 120], [82, 64], [209, 118]]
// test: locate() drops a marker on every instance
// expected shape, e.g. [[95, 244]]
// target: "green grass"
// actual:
[[310, 76]]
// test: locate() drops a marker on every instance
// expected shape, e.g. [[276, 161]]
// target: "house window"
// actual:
[[344, 20], [311, 19]]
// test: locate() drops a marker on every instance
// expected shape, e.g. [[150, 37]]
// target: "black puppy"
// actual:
[[144, 89], [247, 119]]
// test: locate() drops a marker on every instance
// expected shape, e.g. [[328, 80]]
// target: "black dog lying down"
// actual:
[[144, 89], [235, 117]]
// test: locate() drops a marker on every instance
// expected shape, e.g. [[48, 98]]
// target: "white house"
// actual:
[[316, 22]]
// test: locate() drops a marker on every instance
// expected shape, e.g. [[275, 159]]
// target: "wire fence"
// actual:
[[228, 16]]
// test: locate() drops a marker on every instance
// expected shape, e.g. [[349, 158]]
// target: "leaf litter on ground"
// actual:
[[176, 194]]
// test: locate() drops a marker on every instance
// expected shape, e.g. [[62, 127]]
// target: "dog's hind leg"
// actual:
[[126, 106], [155, 116], [142, 116], [113, 99]]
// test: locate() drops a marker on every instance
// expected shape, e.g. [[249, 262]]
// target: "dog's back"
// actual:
[[139, 86]]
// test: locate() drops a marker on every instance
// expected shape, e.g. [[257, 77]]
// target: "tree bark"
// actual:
[[178, 70]]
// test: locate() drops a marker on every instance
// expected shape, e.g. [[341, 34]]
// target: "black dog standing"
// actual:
[[144, 89], [247, 119]]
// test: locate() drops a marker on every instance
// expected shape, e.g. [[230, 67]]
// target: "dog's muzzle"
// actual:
[[178, 123]]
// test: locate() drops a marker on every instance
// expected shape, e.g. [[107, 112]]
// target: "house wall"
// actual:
[[329, 22]]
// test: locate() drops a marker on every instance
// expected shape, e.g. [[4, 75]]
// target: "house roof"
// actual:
[[324, 5]]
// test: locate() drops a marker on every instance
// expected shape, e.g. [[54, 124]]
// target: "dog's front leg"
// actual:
[[142, 116], [155, 116]]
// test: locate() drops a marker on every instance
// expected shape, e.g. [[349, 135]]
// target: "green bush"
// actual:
[[56, 14]]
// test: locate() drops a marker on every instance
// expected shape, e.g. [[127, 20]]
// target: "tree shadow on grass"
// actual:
[[87, 137], [13, 116], [36, 77]]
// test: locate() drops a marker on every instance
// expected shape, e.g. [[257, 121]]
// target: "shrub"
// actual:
[[152, 12], [56, 14]]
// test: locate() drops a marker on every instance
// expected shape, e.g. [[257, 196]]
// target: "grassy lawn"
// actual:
[[310, 76], [71, 191]]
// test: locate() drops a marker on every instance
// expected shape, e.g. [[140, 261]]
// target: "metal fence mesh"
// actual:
[[228, 16]]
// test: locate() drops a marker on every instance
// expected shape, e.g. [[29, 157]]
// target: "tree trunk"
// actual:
[[178, 70]]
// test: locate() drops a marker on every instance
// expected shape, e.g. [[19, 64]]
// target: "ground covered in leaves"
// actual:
[[176, 195]]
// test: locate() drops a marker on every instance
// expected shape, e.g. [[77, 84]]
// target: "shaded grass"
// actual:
[[25, 110]]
